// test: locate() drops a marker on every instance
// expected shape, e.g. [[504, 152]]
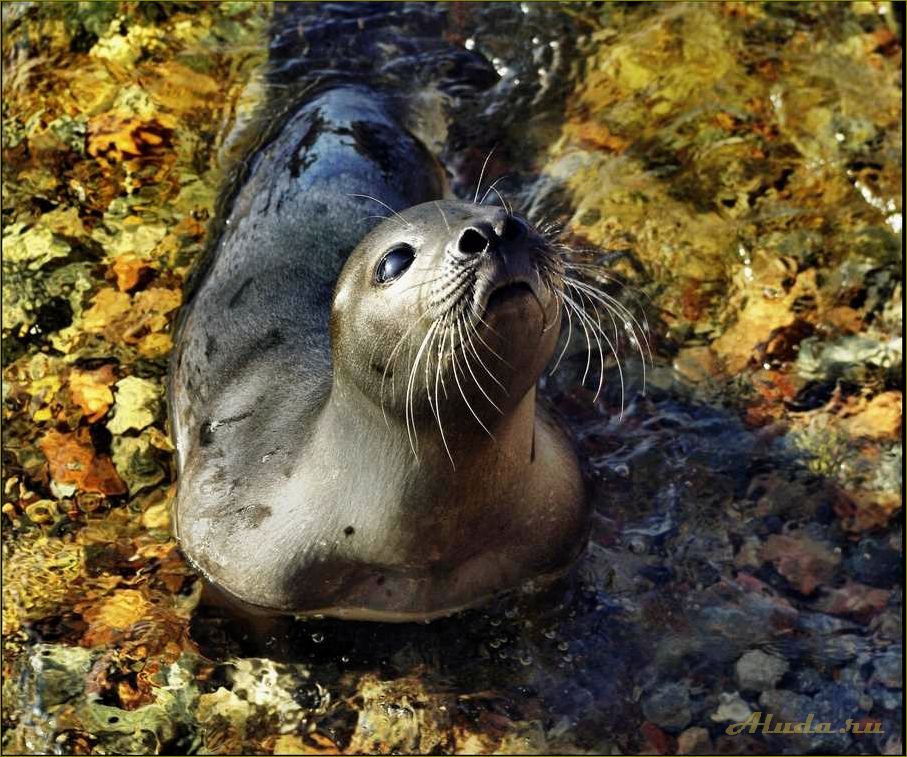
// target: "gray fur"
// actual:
[[299, 488]]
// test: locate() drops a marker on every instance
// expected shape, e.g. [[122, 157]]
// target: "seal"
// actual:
[[353, 399]]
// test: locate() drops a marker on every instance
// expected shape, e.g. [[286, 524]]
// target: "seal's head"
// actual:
[[447, 308]]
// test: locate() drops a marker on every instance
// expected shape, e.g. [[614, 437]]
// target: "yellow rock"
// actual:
[[157, 516], [137, 404], [122, 610], [290, 744], [155, 345], [106, 305], [880, 419], [38, 576], [91, 391]]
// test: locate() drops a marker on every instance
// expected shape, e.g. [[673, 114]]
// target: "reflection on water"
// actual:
[[740, 167]]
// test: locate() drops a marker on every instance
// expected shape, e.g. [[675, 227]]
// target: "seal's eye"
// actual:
[[394, 263]]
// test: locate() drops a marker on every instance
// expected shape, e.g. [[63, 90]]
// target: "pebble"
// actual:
[[758, 671], [694, 741], [888, 668], [696, 364], [871, 562], [731, 708], [835, 702], [886, 699], [807, 680], [669, 706], [785, 705]]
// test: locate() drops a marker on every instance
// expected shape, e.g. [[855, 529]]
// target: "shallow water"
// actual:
[[737, 167]]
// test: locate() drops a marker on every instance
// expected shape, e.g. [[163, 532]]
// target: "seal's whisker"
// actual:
[[390, 362], [482, 175], [491, 188], [411, 429], [443, 217], [551, 231], [437, 405], [384, 204], [392, 358], [595, 268], [487, 346], [469, 366], [438, 376], [601, 357], [454, 363], [539, 222], [491, 328], [588, 293], [576, 309], [599, 330], [453, 283], [595, 272], [631, 324], [613, 348], [638, 330], [470, 330], [406, 385], [421, 283], [504, 202], [428, 352], [383, 218], [569, 333]]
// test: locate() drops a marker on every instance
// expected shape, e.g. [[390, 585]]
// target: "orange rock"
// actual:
[[113, 138], [854, 599], [107, 305], [864, 510], [90, 390], [763, 316], [129, 270], [844, 319], [121, 318], [802, 561], [725, 120], [180, 89], [880, 418], [598, 135], [73, 460], [696, 364], [119, 611]]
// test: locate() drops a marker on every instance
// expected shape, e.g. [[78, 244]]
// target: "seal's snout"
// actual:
[[473, 241], [481, 236]]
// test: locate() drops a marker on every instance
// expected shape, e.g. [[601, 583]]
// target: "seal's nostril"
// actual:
[[513, 229], [472, 242]]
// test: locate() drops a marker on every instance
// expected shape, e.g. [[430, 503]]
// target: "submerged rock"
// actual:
[[668, 706], [758, 671]]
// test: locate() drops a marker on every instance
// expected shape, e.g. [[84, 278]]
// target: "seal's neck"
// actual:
[[351, 421]]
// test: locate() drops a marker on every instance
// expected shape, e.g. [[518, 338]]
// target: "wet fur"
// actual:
[[302, 487]]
